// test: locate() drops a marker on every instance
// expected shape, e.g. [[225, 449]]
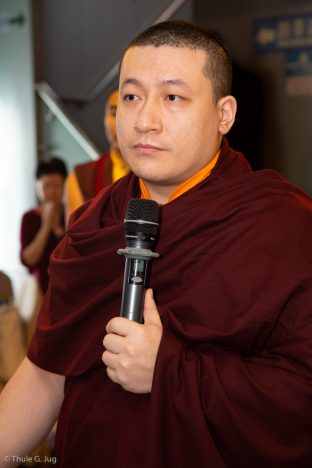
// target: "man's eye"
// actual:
[[173, 97], [130, 97]]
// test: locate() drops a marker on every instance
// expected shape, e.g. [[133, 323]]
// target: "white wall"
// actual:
[[17, 133]]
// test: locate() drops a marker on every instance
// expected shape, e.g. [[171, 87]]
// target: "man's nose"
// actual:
[[149, 117]]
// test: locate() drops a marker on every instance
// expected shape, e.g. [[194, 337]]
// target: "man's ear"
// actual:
[[227, 110]]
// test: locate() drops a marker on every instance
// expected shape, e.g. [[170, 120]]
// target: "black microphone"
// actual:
[[141, 228]]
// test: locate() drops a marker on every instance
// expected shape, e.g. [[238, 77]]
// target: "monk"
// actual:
[[89, 178], [43, 226], [219, 373]]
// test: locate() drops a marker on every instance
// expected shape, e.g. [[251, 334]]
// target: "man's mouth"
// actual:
[[147, 148]]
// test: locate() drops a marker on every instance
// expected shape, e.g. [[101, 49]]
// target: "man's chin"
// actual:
[[147, 176], [156, 181]]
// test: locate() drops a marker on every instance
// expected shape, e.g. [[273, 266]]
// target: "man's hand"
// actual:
[[48, 214], [52, 214], [131, 348]]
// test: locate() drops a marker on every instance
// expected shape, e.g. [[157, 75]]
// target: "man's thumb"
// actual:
[[151, 315]]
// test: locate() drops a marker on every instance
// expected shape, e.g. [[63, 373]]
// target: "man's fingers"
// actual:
[[112, 374], [113, 343], [110, 359], [120, 326]]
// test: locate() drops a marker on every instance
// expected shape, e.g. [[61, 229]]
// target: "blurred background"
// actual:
[[59, 60]]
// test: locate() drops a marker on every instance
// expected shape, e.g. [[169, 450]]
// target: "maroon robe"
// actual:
[[30, 225], [92, 176], [232, 382]]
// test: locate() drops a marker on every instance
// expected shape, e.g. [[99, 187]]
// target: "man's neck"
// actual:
[[159, 193]]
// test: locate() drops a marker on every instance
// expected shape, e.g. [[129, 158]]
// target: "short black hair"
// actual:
[[53, 165], [179, 33]]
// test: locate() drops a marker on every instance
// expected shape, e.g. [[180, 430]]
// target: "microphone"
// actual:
[[141, 227]]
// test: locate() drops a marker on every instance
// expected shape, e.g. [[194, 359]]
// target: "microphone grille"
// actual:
[[141, 217]]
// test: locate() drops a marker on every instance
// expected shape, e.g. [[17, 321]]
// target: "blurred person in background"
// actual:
[[43, 227], [88, 178]]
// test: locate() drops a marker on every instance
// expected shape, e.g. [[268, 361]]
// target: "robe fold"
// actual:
[[232, 385], [92, 176]]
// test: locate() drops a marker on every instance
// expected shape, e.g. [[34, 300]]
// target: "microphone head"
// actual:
[[141, 223]]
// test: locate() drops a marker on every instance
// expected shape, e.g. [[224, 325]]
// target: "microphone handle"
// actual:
[[134, 286]]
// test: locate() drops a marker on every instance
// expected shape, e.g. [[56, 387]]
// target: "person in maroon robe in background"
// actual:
[[43, 227], [219, 374]]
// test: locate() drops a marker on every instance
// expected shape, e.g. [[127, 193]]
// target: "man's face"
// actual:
[[50, 188], [110, 119], [167, 119]]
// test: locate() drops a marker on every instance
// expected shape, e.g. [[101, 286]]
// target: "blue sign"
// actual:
[[282, 33], [299, 63], [299, 72]]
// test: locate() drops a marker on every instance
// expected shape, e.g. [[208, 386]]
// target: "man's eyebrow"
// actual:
[[175, 82], [168, 82], [133, 81]]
